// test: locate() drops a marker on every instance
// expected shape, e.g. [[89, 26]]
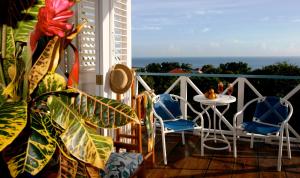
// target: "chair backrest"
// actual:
[[272, 110], [166, 107]]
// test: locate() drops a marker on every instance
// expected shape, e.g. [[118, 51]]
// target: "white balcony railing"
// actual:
[[240, 82]]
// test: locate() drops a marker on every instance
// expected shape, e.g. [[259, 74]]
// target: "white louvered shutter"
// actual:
[[112, 43], [87, 52], [120, 31], [86, 45]]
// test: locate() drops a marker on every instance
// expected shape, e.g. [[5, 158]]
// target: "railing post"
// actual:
[[240, 98], [183, 93]]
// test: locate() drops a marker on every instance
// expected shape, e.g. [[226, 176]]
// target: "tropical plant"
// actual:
[[43, 121]]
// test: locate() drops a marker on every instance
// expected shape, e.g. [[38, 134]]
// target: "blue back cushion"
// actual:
[[167, 108], [271, 110]]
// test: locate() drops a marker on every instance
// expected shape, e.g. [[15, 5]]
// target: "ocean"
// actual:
[[198, 62]]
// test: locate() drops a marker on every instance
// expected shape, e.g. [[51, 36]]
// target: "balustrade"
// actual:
[[245, 91]]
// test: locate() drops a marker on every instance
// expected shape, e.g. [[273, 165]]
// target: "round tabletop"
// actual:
[[221, 99]]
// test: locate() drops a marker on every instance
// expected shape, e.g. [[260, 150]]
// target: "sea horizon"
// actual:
[[255, 62]]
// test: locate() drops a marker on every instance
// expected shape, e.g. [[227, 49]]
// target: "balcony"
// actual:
[[186, 161]]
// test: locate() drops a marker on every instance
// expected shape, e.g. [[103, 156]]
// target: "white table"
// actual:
[[206, 104]]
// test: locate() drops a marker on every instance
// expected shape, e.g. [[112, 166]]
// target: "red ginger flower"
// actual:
[[52, 20]]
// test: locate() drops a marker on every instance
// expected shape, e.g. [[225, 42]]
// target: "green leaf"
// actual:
[[42, 65], [10, 44], [32, 155], [15, 71], [52, 82], [13, 119], [81, 170], [2, 97], [26, 27], [103, 112], [82, 141], [68, 165]]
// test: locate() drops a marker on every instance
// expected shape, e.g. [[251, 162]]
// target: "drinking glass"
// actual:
[[229, 89], [220, 87]]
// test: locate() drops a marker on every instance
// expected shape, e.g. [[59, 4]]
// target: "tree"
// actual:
[[281, 68], [209, 69], [234, 68], [168, 66], [186, 67], [153, 67]]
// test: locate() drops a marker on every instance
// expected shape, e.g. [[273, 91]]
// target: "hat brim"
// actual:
[[129, 75]]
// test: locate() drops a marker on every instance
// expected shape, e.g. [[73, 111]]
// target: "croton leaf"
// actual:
[[32, 154], [2, 97], [103, 112], [68, 165], [81, 140], [81, 170], [9, 54], [13, 119], [51, 82], [93, 171], [10, 44], [42, 65], [25, 27]]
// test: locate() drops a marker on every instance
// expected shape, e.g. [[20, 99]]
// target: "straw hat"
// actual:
[[121, 78]]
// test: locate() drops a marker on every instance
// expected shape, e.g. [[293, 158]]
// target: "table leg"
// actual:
[[215, 136]]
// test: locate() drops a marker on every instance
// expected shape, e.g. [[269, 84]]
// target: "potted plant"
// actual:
[[45, 121]]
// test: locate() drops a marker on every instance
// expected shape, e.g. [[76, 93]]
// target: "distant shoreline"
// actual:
[[253, 62]]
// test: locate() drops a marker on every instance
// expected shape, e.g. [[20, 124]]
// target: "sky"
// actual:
[[198, 28]]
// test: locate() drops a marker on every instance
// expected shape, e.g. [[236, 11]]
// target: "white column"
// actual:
[[103, 51]]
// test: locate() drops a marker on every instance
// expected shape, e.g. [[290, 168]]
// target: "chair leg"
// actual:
[[234, 144], [202, 142], [280, 151], [164, 146], [252, 140], [183, 139], [288, 141]]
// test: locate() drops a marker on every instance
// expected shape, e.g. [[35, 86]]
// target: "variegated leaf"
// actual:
[[93, 171], [13, 119], [26, 27], [103, 112], [2, 97], [27, 60], [2, 76], [81, 170], [51, 82], [33, 154], [22, 34], [43, 64], [82, 141], [68, 165], [10, 44], [12, 90]]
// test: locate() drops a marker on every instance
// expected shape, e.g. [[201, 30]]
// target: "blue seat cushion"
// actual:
[[122, 165], [180, 124], [167, 108], [259, 128], [271, 110]]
